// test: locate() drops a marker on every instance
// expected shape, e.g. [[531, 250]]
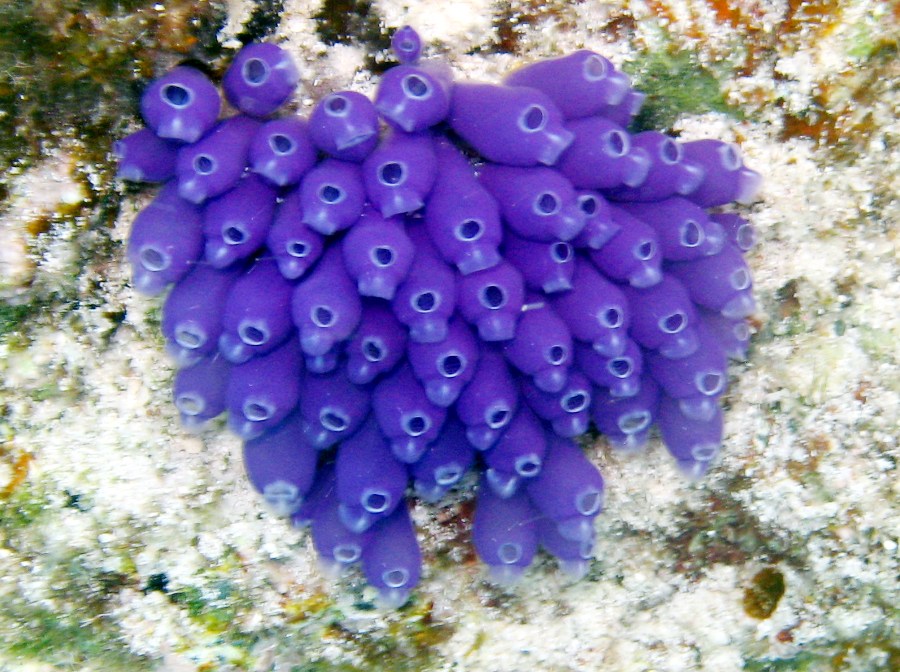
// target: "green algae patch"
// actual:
[[354, 22], [13, 316], [75, 68], [723, 531], [71, 627], [20, 507], [69, 642], [263, 21], [675, 85], [765, 591]]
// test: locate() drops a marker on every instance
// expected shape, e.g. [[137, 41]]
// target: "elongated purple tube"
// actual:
[[326, 307], [332, 196], [573, 556], [703, 373], [215, 164], [624, 112], [626, 421], [407, 418], [694, 443], [376, 346], [199, 390], [569, 489], [487, 404], [281, 465], [336, 546], [344, 125], [260, 79], [281, 151], [237, 222], [738, 230], [192, 313], [725, 178], [391, 559], [427, 299], [546, 267], [377, 254], [257, 316], [732, 334], [444, 463], [567, 411], [595, 310], [399, 174], [542, 346], [664, 318], [513, 125], [491, 300], [332, 408], [721, 283], [181, 105], [263, 391], [601, 156], [621, 375], [166, 240], [580, 84], [294, 245], [504, 533], [462, 218], [518, 454], [370, 480], [446, 367], [669, 174], [683, 229], [599, 226], [145, 157], [414, 98], [537, 203], [406, 44], [633, 254]]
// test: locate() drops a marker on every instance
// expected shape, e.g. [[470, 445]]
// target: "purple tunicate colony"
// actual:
[[455, 276]]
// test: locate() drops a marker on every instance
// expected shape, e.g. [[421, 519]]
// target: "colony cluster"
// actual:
[[455, 276]]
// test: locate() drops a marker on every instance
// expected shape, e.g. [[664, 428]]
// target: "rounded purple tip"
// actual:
[[406, 44], [181, 105], [260, 79]]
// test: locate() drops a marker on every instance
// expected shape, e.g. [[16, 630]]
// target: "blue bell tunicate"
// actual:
[[504, 533], [215, 164], [325, 306], [260, 79], [264, 390], [199, 390], [281, 465], [511, 125], [166, 240], [542, 346], [192, 313], [256, 318], [282, 152], [406, 416], [486, 406], [377, 254], [444, 368], [344, 125], [370, 480], [332, 196], [295, 246], [181, 105], [537, 203], [237, 222], [453, 276]]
